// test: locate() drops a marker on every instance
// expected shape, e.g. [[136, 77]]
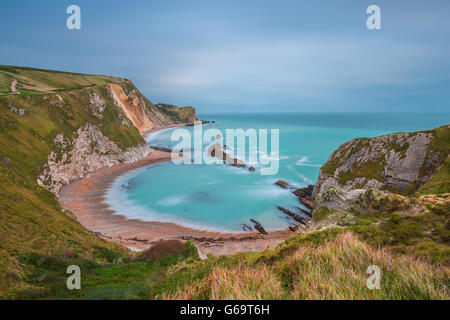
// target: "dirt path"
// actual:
[[13, 87]]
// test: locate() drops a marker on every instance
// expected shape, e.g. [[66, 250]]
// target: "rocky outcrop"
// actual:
[[135, 108], [293, 215], [96, 104], [365, 201], [185, 114], [88, 151], [282, 183], [399, 162], [78, 153], [305, 197], [143, 114], [258, 226], [216, 151]]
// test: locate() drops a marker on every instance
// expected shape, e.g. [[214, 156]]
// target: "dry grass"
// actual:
[[241, 283], [333, 270], [337, 270], [162, 249]]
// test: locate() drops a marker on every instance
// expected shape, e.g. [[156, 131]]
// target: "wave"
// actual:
[[303, 162]]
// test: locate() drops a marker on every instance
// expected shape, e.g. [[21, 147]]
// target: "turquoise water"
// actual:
[[221, 198]]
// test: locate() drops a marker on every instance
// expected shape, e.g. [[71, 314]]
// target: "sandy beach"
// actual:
[[86, 199]]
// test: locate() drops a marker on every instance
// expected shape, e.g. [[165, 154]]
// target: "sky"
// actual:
[[246, 56]]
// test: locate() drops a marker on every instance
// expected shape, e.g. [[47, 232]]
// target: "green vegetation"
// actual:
[[436, 159], [425, 235], [32, 80], [185, 114], [31, 219], [108, 275], [368, 170], [322, 213], [440, 148], [439, 182], [330, 264], [39, 240]]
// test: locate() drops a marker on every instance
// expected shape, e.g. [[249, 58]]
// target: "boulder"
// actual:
[[282, 184]]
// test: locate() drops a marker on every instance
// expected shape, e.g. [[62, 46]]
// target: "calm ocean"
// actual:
[[222, 198]]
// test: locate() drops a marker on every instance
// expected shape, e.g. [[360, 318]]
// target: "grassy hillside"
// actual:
[[32, 80], [31, 219], [328, 264], [38, 240], [186, 114]]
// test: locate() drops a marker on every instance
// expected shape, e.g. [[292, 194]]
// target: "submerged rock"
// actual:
[[293, 215], [259, 227]]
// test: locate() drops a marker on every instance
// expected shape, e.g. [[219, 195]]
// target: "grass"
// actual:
[[426, 235], [369, 170], [106, 275], [31, 219], [39, 240], [334, 269], [33, 80], [439, 182], [328, 264]]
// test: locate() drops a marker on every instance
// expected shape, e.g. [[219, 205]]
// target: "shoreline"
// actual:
[[146, 133], [85, 198]]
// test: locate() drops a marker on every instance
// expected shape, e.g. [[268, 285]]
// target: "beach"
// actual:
[[85, 198]]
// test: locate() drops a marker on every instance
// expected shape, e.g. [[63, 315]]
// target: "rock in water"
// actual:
[[216, 151], [305, 196], [259, 227], [282, 184], [293, 215]]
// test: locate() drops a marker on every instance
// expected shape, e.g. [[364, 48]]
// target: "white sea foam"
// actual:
[[118, 202], [303, 162], [302, 177], [173, 200]]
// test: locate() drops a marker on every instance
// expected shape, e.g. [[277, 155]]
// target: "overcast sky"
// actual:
[[246, 56]]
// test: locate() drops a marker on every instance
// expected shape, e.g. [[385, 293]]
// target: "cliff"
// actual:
[[399, 162], [87, 121], [56, 128], [391, 190]]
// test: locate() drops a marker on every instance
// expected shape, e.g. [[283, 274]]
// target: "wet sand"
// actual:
[[86, 199]]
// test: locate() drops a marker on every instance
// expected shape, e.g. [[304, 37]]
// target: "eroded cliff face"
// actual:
[[146, 116], [115, 106], [399, 162], [88, 151], [134, 107]]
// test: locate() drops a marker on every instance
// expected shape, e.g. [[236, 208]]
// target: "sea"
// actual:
[[222, 198]]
